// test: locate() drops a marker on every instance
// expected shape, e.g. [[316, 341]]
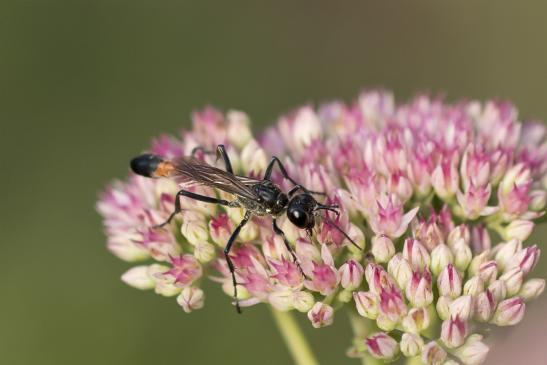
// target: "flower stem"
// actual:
[[294, 338]]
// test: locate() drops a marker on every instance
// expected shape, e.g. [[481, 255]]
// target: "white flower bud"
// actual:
[[416, 320], [382, 248], [498, 290], [532, 289], [138, 277], [506, 252], [473, 286], [509, 312], [518, 229], [488, 271], [462, 255], [190, 299], [513, 280], [204, 252], [433, 354], [366, 304], [303, 301], [399, 268], [473, 352], [411, 344], [462, 307], [449, 282], [282, 300], [194, 227], [440, 257], [443, 307]]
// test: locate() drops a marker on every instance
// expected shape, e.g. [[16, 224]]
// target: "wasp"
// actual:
[[257, 197]]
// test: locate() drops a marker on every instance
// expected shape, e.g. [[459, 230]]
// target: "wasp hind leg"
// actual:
[[202, 198], [227, 249], [220, 153]]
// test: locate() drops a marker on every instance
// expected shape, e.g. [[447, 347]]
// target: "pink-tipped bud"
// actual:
[[462, 307], [441, 256], [485, 303], [433, 354], [498, 290], [366, 304], [411, 344], [532, 289], [449, 282], [351, 274], [191, 299], [381, 346], [513, 280], [399, 268], [473, 352], [377, 278], [477, 261], [391, 308], [416, 320], [321, 315], [509, 312], [518, 229], [416, 254], [473, 286], [453, 332], [462, 255], [238, 130], [506, 252], [418, 290], [445, 178], [525, 259], [443, 307], [459, 233], [488, 271], [473, 201], [480, 239], [194, 227], [220, 228], [382, 248]]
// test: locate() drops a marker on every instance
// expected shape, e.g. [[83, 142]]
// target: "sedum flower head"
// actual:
[[425, 182]]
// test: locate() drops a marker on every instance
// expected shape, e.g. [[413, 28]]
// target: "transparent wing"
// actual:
[[191, 170]]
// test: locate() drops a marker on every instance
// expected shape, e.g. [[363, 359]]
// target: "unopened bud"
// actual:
[[443, 307], [399, 268], [321, 315], [525, 259], [366, 304], [351, 274], [518, 229], [416, 320], [303, 301], [485, 303], [411, 344], [441, 256], [382, 248], [473, 352], [498, 290], [453, 332], [532, 289], [509, 312], [381, 346], [433, 354], [204, 252], [138, 277], [462, 255], [473, 286], [488, 271], [190, 299], [416, 254], [238, 131], [418, 291], [513, 280], [459, 233], [506, 252], [538, 199], [462, 307], [449, 282]]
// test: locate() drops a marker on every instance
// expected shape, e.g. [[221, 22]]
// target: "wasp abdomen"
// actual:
[[150, 166]]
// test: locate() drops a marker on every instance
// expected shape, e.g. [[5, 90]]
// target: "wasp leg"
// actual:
[[279, 232], [227, 249], [202, 198], [220, 153], [268, 174]]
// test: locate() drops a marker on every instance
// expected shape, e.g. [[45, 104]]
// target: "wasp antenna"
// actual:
[[332, 224]]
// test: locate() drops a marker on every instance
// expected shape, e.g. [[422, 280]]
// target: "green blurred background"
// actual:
[[84, 85]]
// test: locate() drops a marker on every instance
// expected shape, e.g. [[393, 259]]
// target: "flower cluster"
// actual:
[[445, 194]]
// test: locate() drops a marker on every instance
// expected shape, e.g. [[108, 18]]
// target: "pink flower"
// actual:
[[321, 315], [185, 270], [389, 218], [381, 346]]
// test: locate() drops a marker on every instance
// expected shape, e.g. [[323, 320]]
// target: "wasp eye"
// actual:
[[298, 217]]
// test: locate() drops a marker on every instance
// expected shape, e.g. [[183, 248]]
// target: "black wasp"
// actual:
[[257, 197]]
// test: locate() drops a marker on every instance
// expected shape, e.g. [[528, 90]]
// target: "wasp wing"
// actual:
[[193, 171]]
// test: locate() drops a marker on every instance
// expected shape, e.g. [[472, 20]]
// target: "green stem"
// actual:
[[294, 338], [414, 361]]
